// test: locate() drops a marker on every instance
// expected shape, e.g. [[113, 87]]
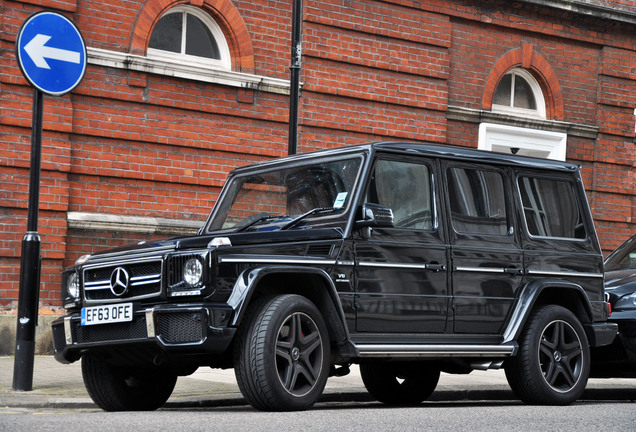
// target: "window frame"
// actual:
[[540, 112], [225, 62]]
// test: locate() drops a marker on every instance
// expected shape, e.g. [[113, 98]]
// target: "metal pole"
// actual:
[[30, 264], [294, 92]]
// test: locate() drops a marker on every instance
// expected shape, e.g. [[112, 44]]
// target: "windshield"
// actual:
[[623, 258], [286, 197]]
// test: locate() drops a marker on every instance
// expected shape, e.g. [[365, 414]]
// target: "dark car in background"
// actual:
[[619, 358]]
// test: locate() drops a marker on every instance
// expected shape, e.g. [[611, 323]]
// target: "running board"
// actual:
[[403, 351]]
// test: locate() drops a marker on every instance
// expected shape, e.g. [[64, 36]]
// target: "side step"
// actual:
[[411, 350]]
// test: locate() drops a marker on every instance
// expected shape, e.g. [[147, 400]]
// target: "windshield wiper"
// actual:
[[258, 218], [298, 218]]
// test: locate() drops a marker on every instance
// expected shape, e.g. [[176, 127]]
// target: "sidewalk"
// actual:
[[57, 385]]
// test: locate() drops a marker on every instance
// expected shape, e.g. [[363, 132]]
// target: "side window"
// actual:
[[477, 201], [405, 187], [550, 208]]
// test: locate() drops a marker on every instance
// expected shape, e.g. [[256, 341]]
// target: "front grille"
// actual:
[[144, 280], [112, 332], [181, 327]]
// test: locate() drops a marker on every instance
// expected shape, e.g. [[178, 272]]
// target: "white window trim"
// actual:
[[217, 33], [187, 70], [538, 97], [522, 141]]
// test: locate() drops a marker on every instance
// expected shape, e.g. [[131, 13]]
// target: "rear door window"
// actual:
[[477, 201]]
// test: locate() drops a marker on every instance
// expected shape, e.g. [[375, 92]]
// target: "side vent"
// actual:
[[319, 250]]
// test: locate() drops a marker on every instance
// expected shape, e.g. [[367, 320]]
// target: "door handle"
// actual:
[[435, 267], [513, 271]]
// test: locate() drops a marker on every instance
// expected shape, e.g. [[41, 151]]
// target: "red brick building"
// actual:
[[141, 148]]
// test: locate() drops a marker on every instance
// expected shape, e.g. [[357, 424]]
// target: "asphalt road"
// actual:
[[338, 416]]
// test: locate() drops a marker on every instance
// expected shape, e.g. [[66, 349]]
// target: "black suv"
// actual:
[[409, 259]]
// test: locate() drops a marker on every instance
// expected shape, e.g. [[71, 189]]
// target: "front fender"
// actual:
[[248, 282], [528, 298]]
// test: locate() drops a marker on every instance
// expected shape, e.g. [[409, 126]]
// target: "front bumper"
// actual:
[[173, 329]]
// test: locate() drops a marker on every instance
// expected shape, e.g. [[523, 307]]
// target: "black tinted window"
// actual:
[[405, 187], [477, 201], [550, 208]]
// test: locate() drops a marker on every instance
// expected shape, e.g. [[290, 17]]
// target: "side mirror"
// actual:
[[375, 216]]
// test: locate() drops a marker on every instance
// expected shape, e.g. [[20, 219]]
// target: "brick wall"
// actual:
[[133, 143]]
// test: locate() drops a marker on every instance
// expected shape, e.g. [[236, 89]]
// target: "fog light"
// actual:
[[192, 271]]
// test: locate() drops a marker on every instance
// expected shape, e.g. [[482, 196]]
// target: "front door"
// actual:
[[401, 272]]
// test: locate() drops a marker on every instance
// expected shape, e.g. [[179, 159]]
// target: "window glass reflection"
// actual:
[[550, 208], [477, 201], [167, 33]]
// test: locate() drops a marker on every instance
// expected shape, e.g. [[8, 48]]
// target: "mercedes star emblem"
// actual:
[[119, 281]]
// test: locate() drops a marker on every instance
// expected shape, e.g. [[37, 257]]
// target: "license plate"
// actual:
[[121, 312]]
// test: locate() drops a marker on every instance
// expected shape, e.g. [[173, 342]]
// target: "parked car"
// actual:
[[619, 358], [409, 259]]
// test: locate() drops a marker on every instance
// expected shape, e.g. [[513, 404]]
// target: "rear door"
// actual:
[[487, 258]]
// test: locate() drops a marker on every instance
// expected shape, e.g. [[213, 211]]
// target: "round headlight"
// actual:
[[192, 271], [72, 285]]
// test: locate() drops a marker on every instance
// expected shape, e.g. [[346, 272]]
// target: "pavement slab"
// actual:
[[57, 385]]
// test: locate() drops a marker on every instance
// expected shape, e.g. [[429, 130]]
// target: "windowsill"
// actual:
[[190, 71], [145, 225], [481, 116]]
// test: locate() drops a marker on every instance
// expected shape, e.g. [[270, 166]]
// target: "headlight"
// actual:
[[72, 285], [627, 302], [192, 272]]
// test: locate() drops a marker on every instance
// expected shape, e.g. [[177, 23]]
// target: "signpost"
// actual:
[[52, 56]]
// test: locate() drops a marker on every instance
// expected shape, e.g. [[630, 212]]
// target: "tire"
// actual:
[[399, 383], [281, 355], [120, 388], [553, 363]]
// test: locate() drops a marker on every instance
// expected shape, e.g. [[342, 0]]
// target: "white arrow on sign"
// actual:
[[38, 52]]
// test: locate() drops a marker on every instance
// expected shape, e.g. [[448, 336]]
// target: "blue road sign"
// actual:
[[51, 53]]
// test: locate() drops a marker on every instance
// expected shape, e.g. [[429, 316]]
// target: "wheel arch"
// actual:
[[312, 283], [544, 292]]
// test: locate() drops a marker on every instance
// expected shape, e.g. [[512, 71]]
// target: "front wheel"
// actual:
[[126, 388], [281, 357], [399, 383], [553, 363]]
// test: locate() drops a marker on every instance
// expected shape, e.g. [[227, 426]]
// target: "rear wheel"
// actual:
[[281, 357], [399, 383], [553, 363], [126, 388]]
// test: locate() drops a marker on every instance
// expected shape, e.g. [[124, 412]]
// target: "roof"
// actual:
[[424, 149]]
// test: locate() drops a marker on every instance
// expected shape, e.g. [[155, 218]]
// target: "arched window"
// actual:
[[519, 93], [189, 34]]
